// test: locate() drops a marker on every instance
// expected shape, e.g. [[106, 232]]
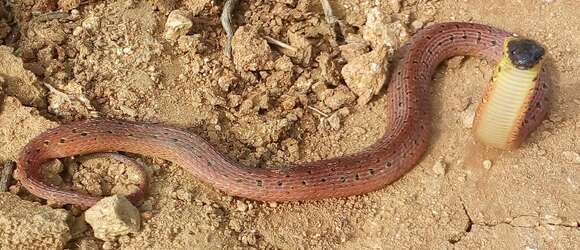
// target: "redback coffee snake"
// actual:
[[393, 155]]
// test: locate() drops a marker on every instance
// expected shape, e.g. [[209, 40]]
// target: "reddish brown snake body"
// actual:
[[393, 155]]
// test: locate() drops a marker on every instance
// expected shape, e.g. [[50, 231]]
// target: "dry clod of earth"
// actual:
[[39, 227]]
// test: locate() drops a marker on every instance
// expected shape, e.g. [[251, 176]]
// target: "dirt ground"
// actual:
[[271, 106]]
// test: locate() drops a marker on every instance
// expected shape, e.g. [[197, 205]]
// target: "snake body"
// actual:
[[393, 155]]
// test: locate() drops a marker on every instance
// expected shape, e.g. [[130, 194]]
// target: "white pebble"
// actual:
[[487, 164], [439, 167], [177, 25]]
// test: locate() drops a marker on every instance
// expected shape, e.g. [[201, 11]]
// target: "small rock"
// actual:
[[334, 121], [113, 216], [571, 156], [177, 25], [366, 74], [340, 96], [328, 68], [467, 116], [77, 31], [68, 4], [395, 5], [183, 195], [284, 64], [288, 102], [417, 24], [439, 167], [241, 206], [91, 23], [487, 164], [248, 238]]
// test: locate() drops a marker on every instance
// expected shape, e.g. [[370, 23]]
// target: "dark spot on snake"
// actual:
[[323, 180], [280, 183], [109, 131], [46, 143], [389, 164], [457, 27], [304, 183], [84, 134], [37, 150], [62, 140], [342, 178], [259, 183], [287, 176], [371, 171], [175, 140], [493, 43], [464, 35], [209, 164], [451, 38], [478, 36], [74, 130], [239, 180], [357, 177], [428, 37], [309, 171]]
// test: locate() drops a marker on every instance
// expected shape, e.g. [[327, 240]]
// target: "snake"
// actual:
[[395, 153]]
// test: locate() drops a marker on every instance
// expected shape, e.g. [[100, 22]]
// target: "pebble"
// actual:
[[487, 164], [177, 25], [78, 31], [417, 24], [91, 23], [184, 195], [334, 121], [467, 116], [571, 156], [241, 206], [113, 216], [439, 167]]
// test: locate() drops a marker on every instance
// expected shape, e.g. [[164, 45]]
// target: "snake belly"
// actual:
[[394, 154]]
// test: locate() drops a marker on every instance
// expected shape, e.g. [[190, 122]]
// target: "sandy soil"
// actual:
[[110, 59]]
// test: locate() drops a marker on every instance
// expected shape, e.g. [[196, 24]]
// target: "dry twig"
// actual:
[[226, 20], [6, 176]]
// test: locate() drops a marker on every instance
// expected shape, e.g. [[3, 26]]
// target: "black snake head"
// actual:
[[525, 53]]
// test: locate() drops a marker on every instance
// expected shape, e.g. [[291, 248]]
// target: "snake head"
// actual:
[[524, 53]]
